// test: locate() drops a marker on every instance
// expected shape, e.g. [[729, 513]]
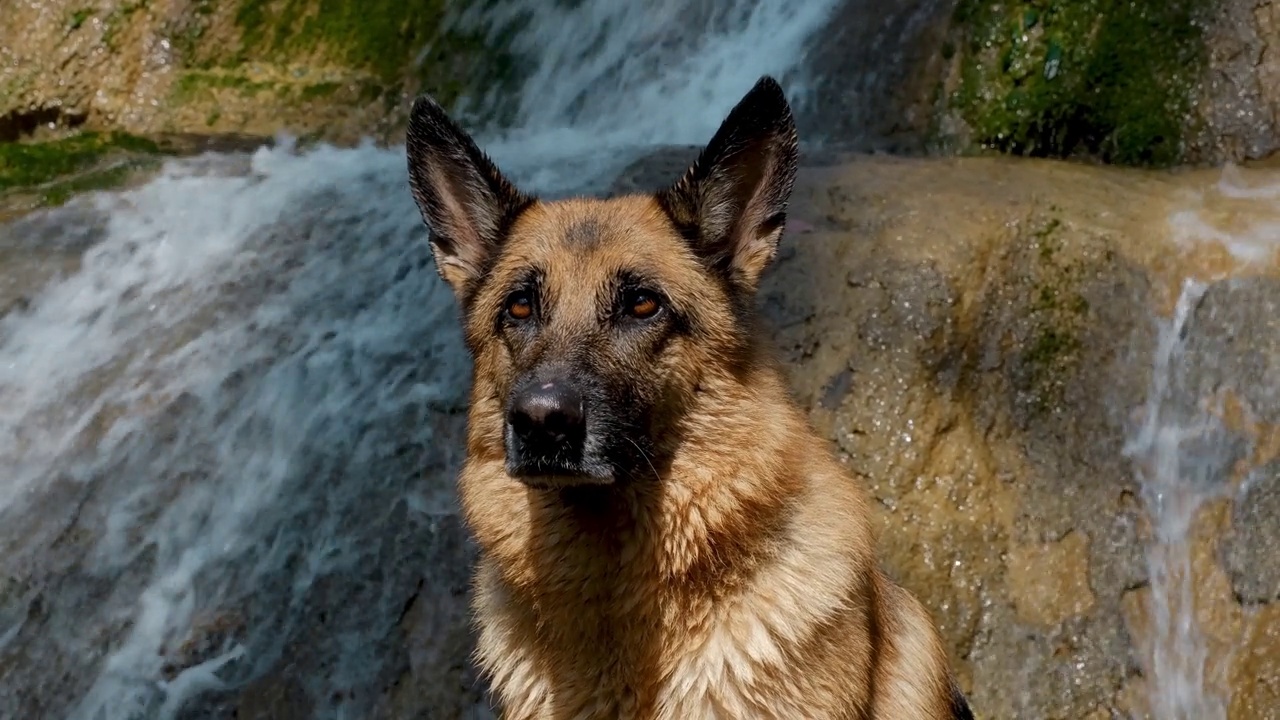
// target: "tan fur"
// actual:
[[742, 584]]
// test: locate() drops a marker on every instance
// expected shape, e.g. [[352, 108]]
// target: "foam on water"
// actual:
[[1254, 244], [241, 370], [616, 78]]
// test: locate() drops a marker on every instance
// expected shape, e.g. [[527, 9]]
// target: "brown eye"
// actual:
[[519, 306], [642, 305]]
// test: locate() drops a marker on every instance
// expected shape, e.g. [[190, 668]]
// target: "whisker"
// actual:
[[645, 456]]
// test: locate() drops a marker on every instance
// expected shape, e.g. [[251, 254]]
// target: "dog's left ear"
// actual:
[[463, 197], [731, 204]]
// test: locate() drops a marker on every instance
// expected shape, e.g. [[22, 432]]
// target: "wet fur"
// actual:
[[723, 566]]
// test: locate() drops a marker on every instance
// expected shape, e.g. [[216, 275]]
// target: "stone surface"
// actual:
[[1239, 98], [875, 69], [980, 360], [1234, 351], [1053, 78], [254, 67], [1049, 583], [897, 75]]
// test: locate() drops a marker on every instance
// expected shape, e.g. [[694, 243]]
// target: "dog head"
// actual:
[[594, 323]]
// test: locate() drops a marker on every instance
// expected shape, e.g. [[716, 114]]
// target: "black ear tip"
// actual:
[[768, 90], [425, 109], [766, 103], [768, 84]]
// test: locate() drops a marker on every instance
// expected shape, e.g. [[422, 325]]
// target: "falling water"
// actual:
[[1185, 457], [219, 392], [1175, 485]]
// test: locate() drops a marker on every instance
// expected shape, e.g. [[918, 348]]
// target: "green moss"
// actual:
[[319, 90], [1050, 345], [28, 164], [1057, 312], [379, 35], [393, 40], [196, 82], [79, 17], [1057, 78]]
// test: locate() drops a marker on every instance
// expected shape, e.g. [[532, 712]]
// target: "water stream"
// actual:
[[1177, 476], [1186, 456]]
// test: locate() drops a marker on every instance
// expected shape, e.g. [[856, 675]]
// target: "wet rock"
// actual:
[[655, 170], [1233, 346], [1234, 343], [1049, 583], [1240, 90], [875, 66], [1065, 80], [979, 361], [421, 641], [1170, 655], [1254, 544], [1256, 672]]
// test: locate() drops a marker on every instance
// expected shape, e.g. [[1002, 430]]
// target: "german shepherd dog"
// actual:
[[661, 532]]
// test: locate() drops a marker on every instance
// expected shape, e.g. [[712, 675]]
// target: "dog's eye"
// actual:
[[520, 305], [642, 304]]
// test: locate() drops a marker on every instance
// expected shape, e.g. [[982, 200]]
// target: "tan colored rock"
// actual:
[[46, 55], [1255, 671], [978, 359], [1049, 583], [1220, 620]]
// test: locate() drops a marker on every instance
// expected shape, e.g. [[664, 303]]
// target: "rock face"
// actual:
[[875, 69], [1239, 98], [255, 67], [1053, 78]]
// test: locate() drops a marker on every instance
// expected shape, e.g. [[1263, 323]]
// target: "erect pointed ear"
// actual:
[[731, 204], [462, 196]]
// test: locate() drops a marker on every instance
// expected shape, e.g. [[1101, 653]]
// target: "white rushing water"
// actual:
[[218, 391]]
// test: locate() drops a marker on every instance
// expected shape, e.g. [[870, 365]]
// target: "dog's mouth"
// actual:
[[554, 462], [545, 476]]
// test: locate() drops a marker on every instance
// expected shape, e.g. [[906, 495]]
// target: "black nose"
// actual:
[[548, 417]]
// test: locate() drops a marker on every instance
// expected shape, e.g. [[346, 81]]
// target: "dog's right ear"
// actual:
[[731, 204], [462, 196]]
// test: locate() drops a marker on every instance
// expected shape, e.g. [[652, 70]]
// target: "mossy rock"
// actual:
[[40, 163], [353, 53], [50, 172], [1108, 79]]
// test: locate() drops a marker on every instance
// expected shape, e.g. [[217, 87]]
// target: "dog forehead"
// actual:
[[601, 235]]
